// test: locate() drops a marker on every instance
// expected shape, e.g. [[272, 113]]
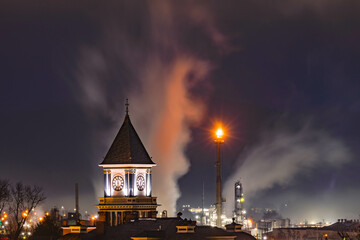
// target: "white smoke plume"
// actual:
[[281, 156], [157, 75], [172, 111]]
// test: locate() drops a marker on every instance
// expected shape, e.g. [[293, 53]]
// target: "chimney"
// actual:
[[77, 198]]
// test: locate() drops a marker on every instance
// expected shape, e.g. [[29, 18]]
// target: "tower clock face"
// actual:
[[140, 182], [118, 183]]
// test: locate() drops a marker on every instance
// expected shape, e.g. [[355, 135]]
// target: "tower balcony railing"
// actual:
[[127, 200]]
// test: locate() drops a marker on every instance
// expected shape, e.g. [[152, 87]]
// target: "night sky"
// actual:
[[282, 76]]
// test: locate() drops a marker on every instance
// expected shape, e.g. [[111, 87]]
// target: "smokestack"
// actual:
[[203, 221], [219, 140], [77, 198]]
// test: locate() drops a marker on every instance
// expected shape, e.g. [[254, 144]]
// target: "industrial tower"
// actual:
[[239, 212], [219, 200]]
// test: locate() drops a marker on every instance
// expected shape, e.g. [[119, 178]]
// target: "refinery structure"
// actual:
[[239, 210], [209, 215]]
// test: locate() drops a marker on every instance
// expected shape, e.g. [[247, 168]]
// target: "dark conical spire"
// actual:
[[127, 147], [127, 107]]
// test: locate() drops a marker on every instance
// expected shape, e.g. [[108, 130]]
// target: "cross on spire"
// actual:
[[127, 106]]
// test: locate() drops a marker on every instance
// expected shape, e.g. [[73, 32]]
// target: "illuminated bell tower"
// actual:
[[127, 179]]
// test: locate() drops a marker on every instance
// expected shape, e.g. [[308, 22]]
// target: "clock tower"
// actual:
[[127, 179]]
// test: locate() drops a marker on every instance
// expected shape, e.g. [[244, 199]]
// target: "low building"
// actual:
[[162, 228], [268, 225], [76, 229], [343, 229]]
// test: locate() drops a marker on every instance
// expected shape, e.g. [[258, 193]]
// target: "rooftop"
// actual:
[[163, 228], [127, 147]]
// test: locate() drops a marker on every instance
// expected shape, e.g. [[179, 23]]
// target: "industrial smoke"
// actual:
[[280, 158], [156, 71]]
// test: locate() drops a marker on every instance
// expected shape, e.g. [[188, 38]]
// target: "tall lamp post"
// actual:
[[218, 140]]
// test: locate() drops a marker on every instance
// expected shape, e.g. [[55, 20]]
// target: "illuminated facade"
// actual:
[[127, 179]]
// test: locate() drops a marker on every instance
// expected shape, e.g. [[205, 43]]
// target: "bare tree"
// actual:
[[4, 194], [24, 199]]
